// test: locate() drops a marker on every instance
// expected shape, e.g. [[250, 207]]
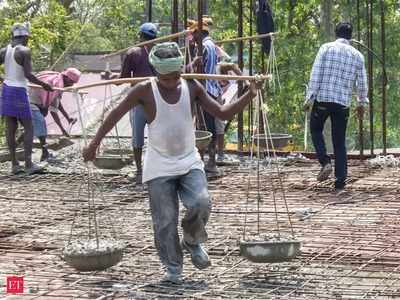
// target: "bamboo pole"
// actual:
[[154, 41], [68, 89], [247, 38], [188, 76]]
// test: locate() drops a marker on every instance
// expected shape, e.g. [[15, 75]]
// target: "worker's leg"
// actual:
[[193, 192], [164, 204], [40, 131], [139, 124], [319, 115], [211, 165], [339, 124], [28, 141], [12, 125], [220, 132]]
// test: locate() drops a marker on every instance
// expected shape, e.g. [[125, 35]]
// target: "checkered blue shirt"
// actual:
[[337, 69], [210, 59]]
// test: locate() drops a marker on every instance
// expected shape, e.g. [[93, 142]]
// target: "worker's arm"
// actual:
[[136, 93], [224, 112], [2, 57], [56, 119], [25, 56]]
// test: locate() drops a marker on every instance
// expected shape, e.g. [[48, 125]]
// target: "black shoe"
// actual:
[[199, 256], [324, 173]]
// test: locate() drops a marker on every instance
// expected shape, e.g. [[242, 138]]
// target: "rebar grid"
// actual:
[[349, 243]]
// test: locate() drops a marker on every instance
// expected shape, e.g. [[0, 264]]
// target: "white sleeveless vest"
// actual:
[[13, 72], [171, 147]]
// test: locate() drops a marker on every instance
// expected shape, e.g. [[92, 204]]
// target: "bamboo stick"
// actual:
[[68, 89], [154, 41], [247, 38], [188, 76], [225, 77]]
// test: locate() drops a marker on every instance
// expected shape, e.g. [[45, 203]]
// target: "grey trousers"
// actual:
[[165, 193]]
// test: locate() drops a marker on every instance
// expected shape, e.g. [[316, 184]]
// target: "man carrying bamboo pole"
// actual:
[[14, 103], [173, 168], [209, 58], [338, 67]]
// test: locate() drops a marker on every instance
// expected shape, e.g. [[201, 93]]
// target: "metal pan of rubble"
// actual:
[[90, 255], [270, 251], [203, 139], [272, 141], [111, 162]]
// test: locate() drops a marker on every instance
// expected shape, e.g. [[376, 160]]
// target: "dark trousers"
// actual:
[[339, 115]]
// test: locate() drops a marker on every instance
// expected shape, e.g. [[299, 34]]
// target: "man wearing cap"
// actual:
[[42, 101], [210, 60], [136, 64], [173, 169], [14, 103]]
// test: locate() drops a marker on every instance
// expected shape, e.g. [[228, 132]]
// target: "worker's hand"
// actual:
[[197, 62], [47, 87], [255, 85], [107, 74], [226, 67], [307, 105], [360, 112], [89, 152]]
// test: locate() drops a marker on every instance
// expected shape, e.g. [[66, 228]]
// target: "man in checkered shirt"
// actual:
[[337, 69]]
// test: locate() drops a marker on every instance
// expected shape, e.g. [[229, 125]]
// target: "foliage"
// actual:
[[98, 25]]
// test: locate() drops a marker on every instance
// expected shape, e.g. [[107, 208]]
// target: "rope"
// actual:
[[259, 107], [268, 131], [272, 66], [91, 186]]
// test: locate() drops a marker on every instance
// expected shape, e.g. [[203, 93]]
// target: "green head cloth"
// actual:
[[166, 65]]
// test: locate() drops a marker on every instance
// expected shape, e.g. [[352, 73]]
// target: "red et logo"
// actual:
[[15, 285]]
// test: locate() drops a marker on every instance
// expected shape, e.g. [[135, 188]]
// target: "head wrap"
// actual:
[[166, 65], [19, 29], [194, 25], [149, 29], [73, 74]]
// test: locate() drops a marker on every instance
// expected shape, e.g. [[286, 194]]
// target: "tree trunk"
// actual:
[[292, 5], [326, 20]]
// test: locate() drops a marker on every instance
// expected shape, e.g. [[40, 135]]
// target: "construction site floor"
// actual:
[[350, 242]]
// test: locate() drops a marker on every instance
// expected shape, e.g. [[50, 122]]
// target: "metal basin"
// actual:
[[94, 261], [203, 139], [111, 162], [270, 251], [278, 140], [117, 151]]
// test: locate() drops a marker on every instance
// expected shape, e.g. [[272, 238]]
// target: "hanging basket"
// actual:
[[93, 244], [203, 139], [90, 256], [272, 251], [111, 162], [277, 140], [118, 151]]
